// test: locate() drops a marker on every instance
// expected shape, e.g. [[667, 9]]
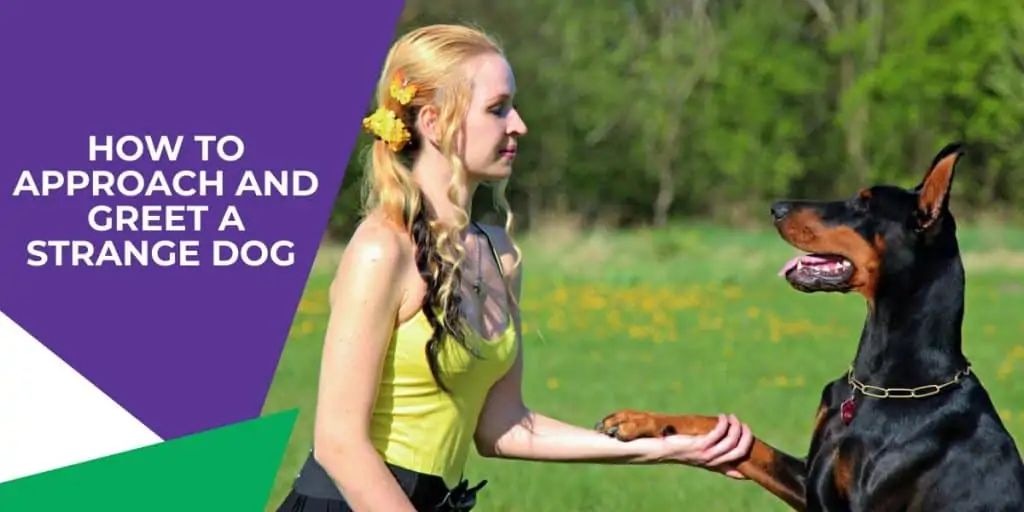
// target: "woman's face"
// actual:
[[492, 125]]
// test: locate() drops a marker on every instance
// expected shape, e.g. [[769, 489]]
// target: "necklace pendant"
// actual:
[[476, 288], [846, 410]]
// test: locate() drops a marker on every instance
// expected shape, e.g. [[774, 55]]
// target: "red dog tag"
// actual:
[[847, 409]]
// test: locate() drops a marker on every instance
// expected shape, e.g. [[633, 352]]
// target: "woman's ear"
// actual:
[[427, 123]]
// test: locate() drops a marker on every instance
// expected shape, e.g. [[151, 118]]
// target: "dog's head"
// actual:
[[882, 230]]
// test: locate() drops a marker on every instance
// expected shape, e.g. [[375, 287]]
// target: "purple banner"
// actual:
[[167, 171]]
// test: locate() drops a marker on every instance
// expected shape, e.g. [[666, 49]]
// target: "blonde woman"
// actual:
[[423, 360]]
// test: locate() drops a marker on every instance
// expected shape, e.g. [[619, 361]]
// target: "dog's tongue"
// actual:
[[790, 265], [807, 259]]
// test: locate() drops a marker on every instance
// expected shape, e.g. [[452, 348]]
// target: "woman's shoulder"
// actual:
[[377, 246]]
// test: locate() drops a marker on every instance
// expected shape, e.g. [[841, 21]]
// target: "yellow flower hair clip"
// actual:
[[402, 91], [386, 124]]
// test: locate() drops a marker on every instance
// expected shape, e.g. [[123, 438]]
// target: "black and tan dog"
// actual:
[[908, 427]]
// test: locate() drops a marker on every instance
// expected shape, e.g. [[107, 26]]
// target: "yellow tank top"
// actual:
[[414, 423]]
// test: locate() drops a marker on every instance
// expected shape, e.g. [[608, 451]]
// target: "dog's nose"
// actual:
[[779, 210]]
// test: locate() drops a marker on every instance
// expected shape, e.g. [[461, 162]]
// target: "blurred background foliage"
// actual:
[[642, 112]]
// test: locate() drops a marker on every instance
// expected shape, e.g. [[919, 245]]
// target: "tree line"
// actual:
[[644, 111]]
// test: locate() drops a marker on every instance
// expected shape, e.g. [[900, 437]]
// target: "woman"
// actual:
[[423, 358]]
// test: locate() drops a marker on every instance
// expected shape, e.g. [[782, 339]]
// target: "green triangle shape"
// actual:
[[230, 468]]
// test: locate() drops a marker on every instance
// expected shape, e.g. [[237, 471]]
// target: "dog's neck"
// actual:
[[912, 335]]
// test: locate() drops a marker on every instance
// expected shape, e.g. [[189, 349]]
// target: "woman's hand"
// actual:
[[716, 451]]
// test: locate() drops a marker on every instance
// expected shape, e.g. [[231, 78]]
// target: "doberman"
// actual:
[[908, 426]]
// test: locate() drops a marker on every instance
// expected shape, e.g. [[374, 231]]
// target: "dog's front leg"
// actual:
[[776, 471]]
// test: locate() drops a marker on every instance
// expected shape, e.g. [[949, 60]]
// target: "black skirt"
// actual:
[[315, 491]]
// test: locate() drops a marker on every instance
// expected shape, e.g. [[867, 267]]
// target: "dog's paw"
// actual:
[[627, 425]]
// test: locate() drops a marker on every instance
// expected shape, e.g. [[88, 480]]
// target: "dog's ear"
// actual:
[[933, 191]]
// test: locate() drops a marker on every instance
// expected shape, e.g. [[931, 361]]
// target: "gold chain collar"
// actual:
[[918, 392]]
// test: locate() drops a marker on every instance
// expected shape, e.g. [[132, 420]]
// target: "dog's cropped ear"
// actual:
[[933, 191]]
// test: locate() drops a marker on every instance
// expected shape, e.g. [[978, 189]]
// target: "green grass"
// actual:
[[682, 320]]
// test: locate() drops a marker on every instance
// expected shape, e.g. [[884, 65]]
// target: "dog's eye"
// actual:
[[863, 200]]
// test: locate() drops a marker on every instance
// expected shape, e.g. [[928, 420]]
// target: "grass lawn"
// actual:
[[679, 320]]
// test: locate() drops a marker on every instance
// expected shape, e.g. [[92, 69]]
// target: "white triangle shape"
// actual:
[[50, 415]]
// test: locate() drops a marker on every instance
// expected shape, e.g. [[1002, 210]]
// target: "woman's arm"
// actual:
[[365, 297], [508, 429]]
